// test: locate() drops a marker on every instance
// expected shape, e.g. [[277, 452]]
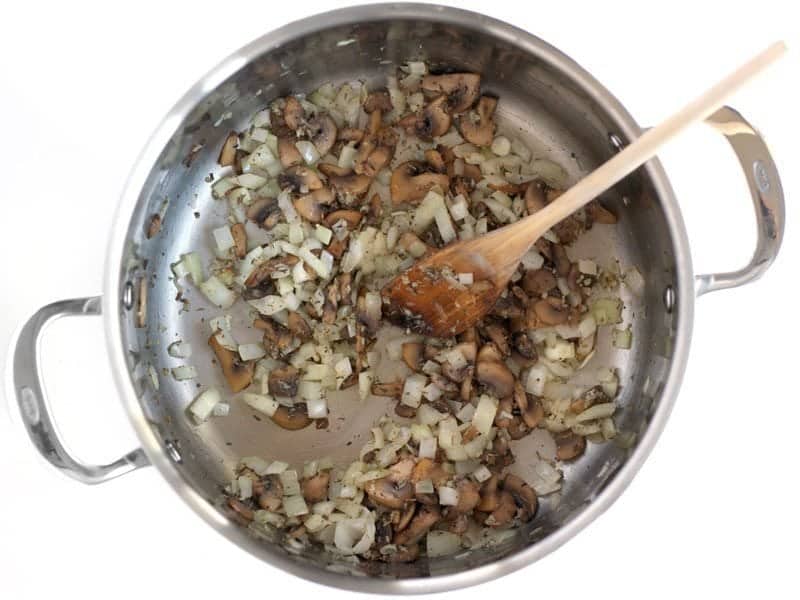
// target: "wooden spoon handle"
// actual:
[[643, 148]]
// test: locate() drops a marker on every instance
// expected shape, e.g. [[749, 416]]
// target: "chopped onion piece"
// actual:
[[250, 181], [218, 293], [223, 238], [448, 496], [501, 146], [317, 408], [442, 543], [287, 207], [482, 474], [308, 151], [354, 536], [184, 372], [444, 224], [622, 338], [365, 379], [607, 311], [294, 506], [268, 305], [424, 487], [465, 278], [323, 234], [588, 267], [180, 349], [427, 415], [597, 411], [276, 467], [634, 280], [484, 415], [251, 351], [245, 487], [193, 266], [222, 409], [261, 402], [290, 482], [412, 390], [204, 404], [427, 448]]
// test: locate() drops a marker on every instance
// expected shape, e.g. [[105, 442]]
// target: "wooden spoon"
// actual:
[[428, 297]]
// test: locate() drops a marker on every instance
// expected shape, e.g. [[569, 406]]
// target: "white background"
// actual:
[[712, 513]]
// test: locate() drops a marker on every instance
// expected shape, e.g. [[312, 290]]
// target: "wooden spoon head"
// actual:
[[429, 299]]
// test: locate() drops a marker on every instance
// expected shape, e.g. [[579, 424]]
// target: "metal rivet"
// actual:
[[127, 295], [172, 449], [616, 142], [669, 298]]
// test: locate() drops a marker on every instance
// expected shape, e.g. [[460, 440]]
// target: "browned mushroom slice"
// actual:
[[429, 469], [288, 153], [507, 187], [354, 184], [534, 197], [499, 336], [377, 160], [538, 282], [293, 113], [241, 509], [270, 496], [410, 182], [569, 445], [332, 170], [405, 411], [265, 269], [309, 208], [560, 259], [523, 344], [237, 373], [283, 381], [375, 208], [435, 161], [315, 489], [481, 131], [239, 240], [351, 217], [591, 397], [468, 496], [350, 134], [378, 100], [277, 339], [412, 355], [461, 89], [490, 498], [299, 179], [259, 210], [550, 311], [405, 517], [504, 513], [388, 493], [523, 494], [423, 521], [392, 389], [530, 407], [322, 131], [489, 353], [227, 154], [598, 213], [298, 326], [292, 418], [432, 121]]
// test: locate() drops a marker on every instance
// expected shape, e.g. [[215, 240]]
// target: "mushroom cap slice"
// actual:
[[315, 489], [283, 381], [386, 492], [461, 89], [237, 373], [410, 182], [482, 132], [378, 100], [288, 153], [322, 131], [309, 208], [300, 179], [432, 121], [293, 113], [423, 521], [292, 418]]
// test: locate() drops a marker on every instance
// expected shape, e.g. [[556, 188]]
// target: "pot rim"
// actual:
[[527, 42]]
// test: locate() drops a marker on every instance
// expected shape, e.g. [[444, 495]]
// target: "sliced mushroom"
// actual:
[[299, 179], [429, 469], [376, 160], [534, 197], [499, 337], [550, 311], [412, 355], [283, 381], [489, 353], [270, 496], [393, 389], [288, 153], [375, 209], [481, 131], [504, 513], [353, 184], [405, 517], [385, 492], [265, 269], [523, 344], [237, 373], [517, 429], [277, 339], [466, 387], [461, 89], [378, 100], [410, 182], [405, 411], [322, 131], [298, 326], [309, 208], [227, 154], [560, 259], [241, 509], [350, 134], [239, 240], [591, 397], [315, 489], [598, 213], [531, 409], [292, 418], [259, 210], [569, 445], [538, 282], [351, 217], [432, 121], [332, 170], [468, 496], [293, 113], [490, 498], [423, 521], [523, 494], [504, 416], [435, 161]]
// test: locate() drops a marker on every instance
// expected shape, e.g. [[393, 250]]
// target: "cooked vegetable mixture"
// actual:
[[330, 196]]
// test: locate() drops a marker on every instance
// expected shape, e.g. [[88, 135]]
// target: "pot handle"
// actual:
[[33, 406], [766, 191]]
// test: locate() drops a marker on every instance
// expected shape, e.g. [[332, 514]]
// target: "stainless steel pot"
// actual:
[[558, 108]]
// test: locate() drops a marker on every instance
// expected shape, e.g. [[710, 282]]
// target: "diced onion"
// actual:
[[222, 409], [597, 411], [290, 482], [365, 379], [251, 351], [501, 146], [607, 311], [262, 403], [317, 408], [412, 390], [424, 486], [427, 415], [184, 372], [308, 151], [204, 404], [442, 543], [294, 506], [223, 238], [245, 487], [354, 536], [622, 338], [256, 464], [482, 474], [180, 349], [217, 292], [484, 415], [268, 305], [276, 467], [448, 496], [427, 448]]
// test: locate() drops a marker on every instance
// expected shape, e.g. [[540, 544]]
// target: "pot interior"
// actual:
[[544, 101]]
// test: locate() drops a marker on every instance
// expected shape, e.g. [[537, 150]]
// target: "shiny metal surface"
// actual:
[[34, 409], [546, 99], [768, 201]]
